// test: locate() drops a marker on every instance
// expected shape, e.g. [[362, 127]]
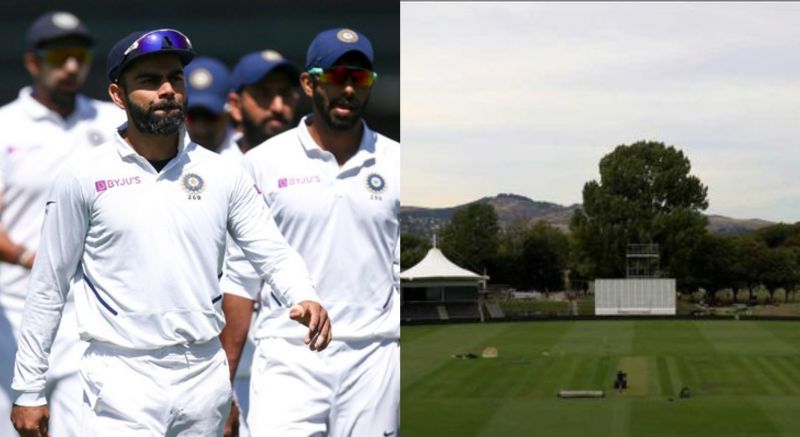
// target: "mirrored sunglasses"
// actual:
[[60, 55], [360, 77]]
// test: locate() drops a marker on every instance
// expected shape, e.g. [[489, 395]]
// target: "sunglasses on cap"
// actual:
[[157, 40], [361, 77], [59, 55]]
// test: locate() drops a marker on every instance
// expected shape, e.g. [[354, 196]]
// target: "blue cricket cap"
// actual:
[[252, 67], [207, 84], [330, 45], [143, 43], [53, 25]]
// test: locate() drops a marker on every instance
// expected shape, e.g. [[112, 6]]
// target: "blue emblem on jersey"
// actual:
[[376, 183], [193, 183]]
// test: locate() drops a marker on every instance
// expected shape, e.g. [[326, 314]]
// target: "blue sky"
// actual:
[[527, 97]]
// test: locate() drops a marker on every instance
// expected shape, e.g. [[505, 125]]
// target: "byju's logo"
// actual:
[[107, 184], [287, 182]]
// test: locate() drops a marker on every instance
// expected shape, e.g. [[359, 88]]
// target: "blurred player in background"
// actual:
[[207, 122], [137, 227], [264, 97], [263, 102], [47, 125], [333, 187]]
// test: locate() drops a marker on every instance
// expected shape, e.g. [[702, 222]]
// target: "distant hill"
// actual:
[[513, 207]]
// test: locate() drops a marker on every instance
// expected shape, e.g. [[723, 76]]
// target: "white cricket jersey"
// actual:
[[344, 223], [35, 144], [143, 251], [230, 147]]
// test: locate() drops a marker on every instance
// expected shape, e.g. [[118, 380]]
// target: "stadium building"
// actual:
[[438, 289]]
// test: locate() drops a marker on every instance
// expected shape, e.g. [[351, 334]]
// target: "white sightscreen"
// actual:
[[634, 296]]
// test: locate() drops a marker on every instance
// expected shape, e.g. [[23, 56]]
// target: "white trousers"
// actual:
[[352, 388], [173, 391]]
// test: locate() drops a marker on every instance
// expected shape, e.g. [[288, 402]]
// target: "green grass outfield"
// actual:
[[744, 377]]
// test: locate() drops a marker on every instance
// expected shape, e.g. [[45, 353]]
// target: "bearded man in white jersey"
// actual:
[[48, 124], [137, 229], [333, 187]]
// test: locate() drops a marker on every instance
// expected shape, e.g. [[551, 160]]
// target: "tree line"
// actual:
[[646, 194]]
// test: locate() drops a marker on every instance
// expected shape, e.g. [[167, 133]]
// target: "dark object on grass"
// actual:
[[685, 393], [621, 383], [468, 356]]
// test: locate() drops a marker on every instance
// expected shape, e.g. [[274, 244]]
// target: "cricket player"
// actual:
[[47, 125], [137, 228], [263, 101], [207, 121], [264, 96], [333, 187]]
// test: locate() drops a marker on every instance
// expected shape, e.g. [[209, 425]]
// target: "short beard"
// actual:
[[61, 99], [252, 132], [336, 123], [148, 122]]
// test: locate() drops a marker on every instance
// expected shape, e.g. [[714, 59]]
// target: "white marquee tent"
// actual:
[[436, 288]]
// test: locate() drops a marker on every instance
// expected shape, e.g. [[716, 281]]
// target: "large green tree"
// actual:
[[532, 257], [472, 236], [412, 249], [781, 270], [646, 194], [545, 251]]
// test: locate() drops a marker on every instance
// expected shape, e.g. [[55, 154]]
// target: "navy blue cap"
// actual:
[[331, 44], [252, 67], [53, 25], [147, 42], [207, 84]]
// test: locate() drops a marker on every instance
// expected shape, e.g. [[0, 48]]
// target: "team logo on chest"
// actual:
[[95, 138], [193, 184], [376, 185]]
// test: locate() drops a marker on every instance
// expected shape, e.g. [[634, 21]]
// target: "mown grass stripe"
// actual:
[[771, 374], [744, 381], [569, 370], [550, 379], [580, 380], [686, 374], [678, 381], [792, 383], [754, 372], [664, 381], [527, 381], [603, 377]]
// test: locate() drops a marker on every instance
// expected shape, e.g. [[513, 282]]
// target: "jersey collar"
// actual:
[[366, 149], [37, 111], [125, 149]]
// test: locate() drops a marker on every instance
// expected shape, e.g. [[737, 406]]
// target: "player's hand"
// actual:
[[28, 262], [232, 424], [312, 314], [31, 421]]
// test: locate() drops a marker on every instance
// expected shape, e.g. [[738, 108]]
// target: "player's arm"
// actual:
[[13, 253], [251, 226], [240, 285], [238, 311], [63, 233]]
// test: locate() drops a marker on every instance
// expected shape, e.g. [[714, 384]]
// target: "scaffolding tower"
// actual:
[[643, 261]]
